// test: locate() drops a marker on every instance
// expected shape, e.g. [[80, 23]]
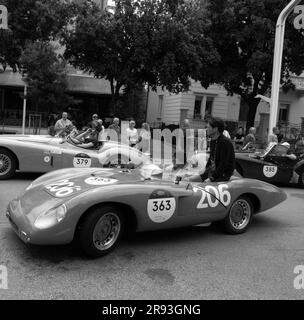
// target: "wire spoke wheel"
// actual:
[[106, 231], [5, 164], [240, 214]]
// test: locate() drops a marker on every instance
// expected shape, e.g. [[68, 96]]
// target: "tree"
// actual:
[[243, 33], [45, 77], [161, 43], [31, 20]]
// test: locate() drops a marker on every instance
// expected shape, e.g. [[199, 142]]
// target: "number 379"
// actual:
[[212, 196]]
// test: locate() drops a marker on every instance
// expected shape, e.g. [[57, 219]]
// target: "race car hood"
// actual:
[[66, 183], [51, 190]]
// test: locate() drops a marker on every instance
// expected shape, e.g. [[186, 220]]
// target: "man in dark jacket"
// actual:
[[221, 163]]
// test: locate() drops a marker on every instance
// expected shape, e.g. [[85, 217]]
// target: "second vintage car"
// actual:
[[38, 153]]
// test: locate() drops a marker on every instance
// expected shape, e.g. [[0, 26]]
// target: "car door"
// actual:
[[205, 201], [77, 157]]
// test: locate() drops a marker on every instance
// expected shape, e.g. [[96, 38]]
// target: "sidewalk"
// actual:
[[18, 130]]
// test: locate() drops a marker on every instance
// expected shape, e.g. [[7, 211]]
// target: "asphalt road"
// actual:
[[191, 263]]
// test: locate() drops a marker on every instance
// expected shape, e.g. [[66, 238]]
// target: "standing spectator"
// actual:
[[145, 137], [249, 141], [274, 136], [280, 135], [62, 125], [115, 126], [132, 134], [93, 122], [299, 145], [239, 138]]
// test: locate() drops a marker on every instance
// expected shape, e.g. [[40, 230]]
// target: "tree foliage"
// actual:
[[28, 21], [45, 76], [149, 41], [243, 32]]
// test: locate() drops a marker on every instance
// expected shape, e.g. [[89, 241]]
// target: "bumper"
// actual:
[[28, 233]]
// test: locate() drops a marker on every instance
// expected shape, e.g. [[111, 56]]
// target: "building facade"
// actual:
[[198, 103]]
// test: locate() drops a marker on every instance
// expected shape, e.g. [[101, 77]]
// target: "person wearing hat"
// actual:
[[92, 124], [288, 153]]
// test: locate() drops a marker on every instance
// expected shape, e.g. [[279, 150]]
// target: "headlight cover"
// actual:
[[51, 217]]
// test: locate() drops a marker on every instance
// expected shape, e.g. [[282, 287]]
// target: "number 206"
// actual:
[[211, 194]]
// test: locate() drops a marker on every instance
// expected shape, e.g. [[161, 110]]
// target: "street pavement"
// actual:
[[189, 263]]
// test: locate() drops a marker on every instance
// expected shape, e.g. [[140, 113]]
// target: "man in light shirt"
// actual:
[[62, 125], [132, 134]]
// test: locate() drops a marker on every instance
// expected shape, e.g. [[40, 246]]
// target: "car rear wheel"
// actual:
[[101, 230], [239, 217], [8, 164]]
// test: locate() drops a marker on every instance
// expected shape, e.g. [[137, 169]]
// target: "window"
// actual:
[[209, 107], [197, 107], [283, 113], [160, 107]]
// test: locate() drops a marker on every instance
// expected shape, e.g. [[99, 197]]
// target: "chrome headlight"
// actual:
[[51, 217]]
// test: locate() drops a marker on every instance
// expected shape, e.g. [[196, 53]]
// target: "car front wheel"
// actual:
[[239, 217], [101, 230], [8, 164]]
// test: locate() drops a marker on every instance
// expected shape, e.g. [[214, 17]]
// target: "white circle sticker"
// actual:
[[99, 181], [47, 159], [270, 171], [161, 209], [82, 160]]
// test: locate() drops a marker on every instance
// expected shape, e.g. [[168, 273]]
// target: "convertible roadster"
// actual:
[[273, 165], [34, 153], [95, 206]]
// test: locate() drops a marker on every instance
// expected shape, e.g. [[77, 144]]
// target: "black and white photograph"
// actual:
[[151, 152]]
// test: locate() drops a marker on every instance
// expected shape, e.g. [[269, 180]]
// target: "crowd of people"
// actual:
[[94, 133], [222, 147]]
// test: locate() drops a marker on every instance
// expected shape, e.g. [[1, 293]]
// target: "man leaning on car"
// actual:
[[221, 163]]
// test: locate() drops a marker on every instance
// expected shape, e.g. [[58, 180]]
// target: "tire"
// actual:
[[239, 216], [8, 164], [91, 240], [117, 161]]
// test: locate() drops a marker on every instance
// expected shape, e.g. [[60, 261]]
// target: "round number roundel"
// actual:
[[161, 206], [82, 160], [270, 171]]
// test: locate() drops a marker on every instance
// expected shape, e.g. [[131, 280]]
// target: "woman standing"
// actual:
[[145, 138]]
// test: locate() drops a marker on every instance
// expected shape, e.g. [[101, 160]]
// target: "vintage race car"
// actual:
[[96, 206], [34, 153], [272, 165]]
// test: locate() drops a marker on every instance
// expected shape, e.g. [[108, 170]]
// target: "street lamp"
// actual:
[[277, 62], [23, 72]]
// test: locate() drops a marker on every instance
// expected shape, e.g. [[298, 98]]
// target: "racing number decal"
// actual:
[[162, 209], [270, 171], [207, 200], [62, 188], [82, 160]]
